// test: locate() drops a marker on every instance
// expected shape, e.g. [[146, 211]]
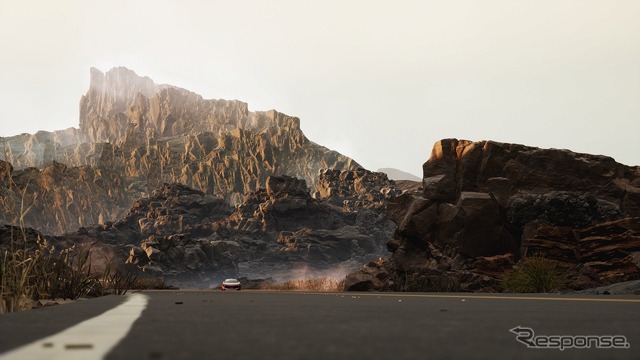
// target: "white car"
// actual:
[[230, 284]]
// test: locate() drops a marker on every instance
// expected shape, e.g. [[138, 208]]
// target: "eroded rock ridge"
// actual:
[[135, 135]]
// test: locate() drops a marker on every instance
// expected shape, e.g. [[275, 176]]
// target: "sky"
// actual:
[[375, 80]]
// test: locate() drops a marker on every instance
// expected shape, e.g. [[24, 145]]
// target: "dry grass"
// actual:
[[325, 284], [41, 272], [17, 265], [15, 291], [32, 270], [535, 274], [117, 282], [33, 274]]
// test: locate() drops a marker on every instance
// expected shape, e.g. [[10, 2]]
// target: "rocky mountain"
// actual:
[[485, 205], [192, 189], [135, 135]]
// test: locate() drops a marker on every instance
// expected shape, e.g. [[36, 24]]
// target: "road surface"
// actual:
[[296, 325]]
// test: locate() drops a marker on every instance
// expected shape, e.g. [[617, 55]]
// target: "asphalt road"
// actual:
[[290, 325]]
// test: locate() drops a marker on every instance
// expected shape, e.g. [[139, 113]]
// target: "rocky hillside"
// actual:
[[135, 135], [485, 205], [58, 199], [279, 231]]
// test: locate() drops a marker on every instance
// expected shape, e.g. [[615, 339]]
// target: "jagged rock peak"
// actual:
[[122, 83], [121, 102]]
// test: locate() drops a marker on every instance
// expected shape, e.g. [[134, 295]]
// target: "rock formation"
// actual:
[[182, 187], [484, 205], [42, 148], [279, 231], [135, 135], [358, 188]]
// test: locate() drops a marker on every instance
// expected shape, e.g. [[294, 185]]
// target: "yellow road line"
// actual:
[[497, 297], [468, 296]]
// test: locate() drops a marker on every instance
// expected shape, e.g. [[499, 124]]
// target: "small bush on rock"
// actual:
[[535, 274]]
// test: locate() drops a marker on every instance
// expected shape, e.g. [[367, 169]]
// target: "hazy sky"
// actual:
[[379, 81]]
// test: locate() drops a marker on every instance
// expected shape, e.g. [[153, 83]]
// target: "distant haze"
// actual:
[[395, 174], [377, 81]]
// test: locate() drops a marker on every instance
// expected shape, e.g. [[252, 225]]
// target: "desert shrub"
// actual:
[[16, 290], [16, 263], [30, 269], [535, 274], [118, 281], [66, 274], [41, 272]]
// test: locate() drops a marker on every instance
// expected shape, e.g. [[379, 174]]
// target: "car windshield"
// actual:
[[231, 281]]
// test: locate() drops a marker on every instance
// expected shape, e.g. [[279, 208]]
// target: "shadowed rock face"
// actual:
[[486, 204], [279, 231], [135, 135], [608, 252]]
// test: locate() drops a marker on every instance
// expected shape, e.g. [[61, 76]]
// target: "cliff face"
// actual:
[[484, 205], [146, 134], [120, 105]]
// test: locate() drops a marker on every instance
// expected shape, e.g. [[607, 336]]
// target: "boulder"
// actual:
[[281, 186], [154, 254], [137, 255], [370, 277]]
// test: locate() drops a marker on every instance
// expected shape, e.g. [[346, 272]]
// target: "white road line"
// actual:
[[90, 339]]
